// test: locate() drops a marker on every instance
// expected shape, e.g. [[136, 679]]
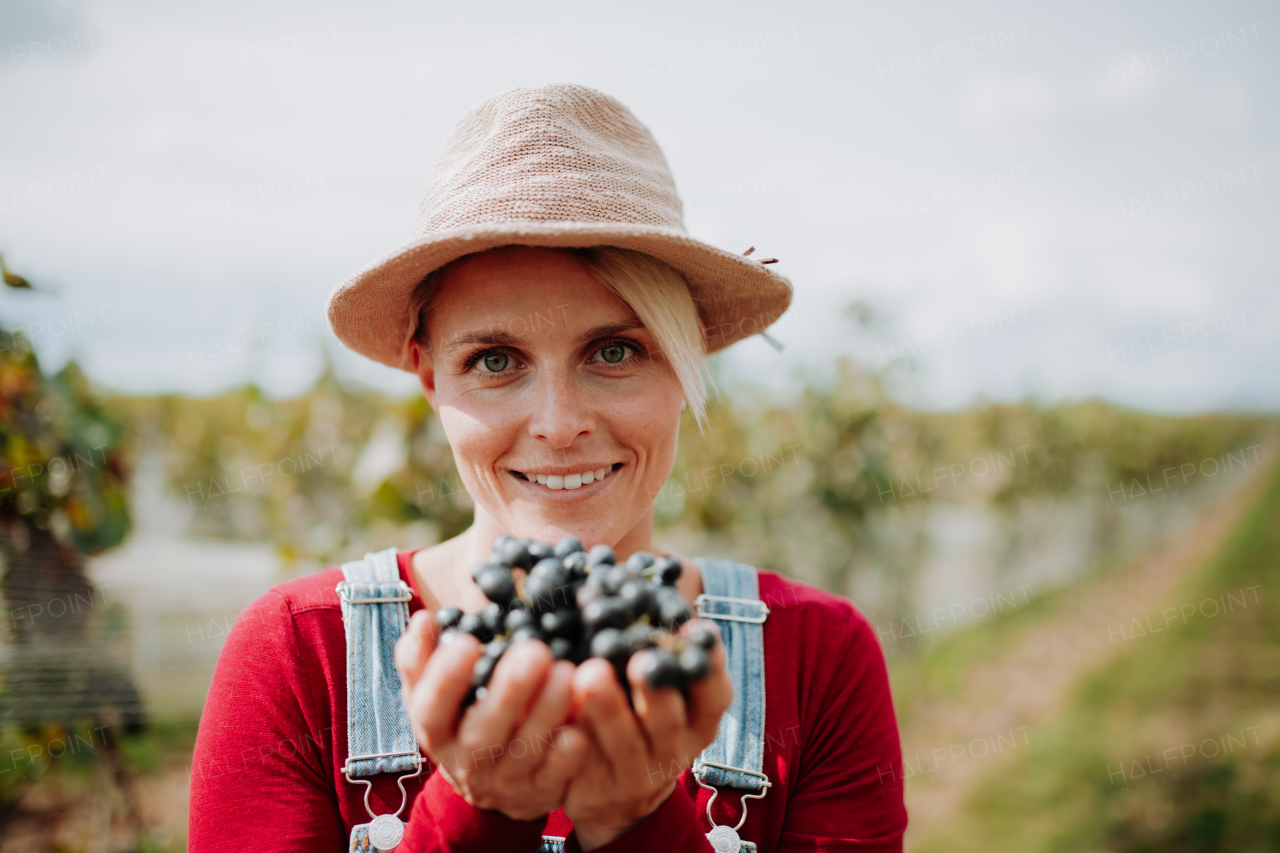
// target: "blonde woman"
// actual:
[[557, 316]]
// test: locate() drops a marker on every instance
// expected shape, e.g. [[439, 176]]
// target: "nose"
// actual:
[[560, 412]]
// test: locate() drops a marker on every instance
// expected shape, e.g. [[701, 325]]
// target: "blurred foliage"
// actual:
[[60, 454], [1220, 678], [810, 485], [62, 496], [317, 475]]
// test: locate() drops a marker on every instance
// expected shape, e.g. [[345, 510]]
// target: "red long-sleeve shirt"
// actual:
[[266, 774]]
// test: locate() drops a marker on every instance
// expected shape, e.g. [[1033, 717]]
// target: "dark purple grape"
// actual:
[[576, 565], [639, 561], [497, 585], [477, 571], [606, 612], [582, 604], [673, 610], [525, 558], [517, 619], [552, 569], [540, 551], [482, 671], [501, 545], [587, 593], [608, 644], [639, 596], [511, 552], [667, 570], [492, 617], [565, 622], [447, 617], [580, 652], [601, 554], [471, 623], [545, 593], [694, 663], [704, 639], [638, 637], [568, 545], [528, 632], [613, 578], [662, 669], [561, 648]]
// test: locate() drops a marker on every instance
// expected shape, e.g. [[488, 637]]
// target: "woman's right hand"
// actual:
[[514, 751]]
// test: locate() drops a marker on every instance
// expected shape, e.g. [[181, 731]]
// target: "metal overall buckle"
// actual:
[[702, 601], [385, 831], [343, 589], [724, 838]]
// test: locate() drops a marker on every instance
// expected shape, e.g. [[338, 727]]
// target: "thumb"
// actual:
[[414, 648]]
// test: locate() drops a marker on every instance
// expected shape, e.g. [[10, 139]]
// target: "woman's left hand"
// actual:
[[638, 757]]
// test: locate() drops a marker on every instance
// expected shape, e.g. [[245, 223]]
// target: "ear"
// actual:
[[423, 366]]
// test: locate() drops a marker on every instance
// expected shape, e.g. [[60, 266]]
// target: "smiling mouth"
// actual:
[[557, 482]]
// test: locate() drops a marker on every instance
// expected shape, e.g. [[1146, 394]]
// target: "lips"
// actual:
[[575, 480]]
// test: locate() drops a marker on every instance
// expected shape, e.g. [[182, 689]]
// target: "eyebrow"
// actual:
[[609, 330], [501, 338], [495, 338]]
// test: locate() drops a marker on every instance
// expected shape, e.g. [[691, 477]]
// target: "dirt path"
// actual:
[[950, 743]]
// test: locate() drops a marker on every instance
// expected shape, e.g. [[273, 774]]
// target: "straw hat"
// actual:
[[555, 165]]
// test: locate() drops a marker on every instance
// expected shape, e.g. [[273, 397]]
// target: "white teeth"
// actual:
[[571, 481]]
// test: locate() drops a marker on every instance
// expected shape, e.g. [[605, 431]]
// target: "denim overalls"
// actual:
[[375, 612]]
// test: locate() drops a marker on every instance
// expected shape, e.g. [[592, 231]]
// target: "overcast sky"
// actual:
[[1057, 201]]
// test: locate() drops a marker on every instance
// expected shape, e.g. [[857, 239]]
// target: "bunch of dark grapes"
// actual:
[[582, 604]]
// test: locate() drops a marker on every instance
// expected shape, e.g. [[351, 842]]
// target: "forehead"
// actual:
[[521, 288]]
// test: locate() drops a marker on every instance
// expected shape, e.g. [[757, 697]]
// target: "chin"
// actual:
[[590, 532]]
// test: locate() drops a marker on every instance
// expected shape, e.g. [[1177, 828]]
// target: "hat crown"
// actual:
[[554, 153]]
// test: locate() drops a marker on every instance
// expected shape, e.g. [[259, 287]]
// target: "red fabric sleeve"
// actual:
[[847, 794], [261, 775], [259, 778], [672, 826]]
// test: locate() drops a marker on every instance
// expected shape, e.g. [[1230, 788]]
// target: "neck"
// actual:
[[477, 541]]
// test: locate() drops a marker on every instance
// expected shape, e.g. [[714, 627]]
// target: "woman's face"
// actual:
[[561, 413]]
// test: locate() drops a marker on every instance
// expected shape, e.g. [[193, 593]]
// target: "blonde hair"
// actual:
[[656, 292]]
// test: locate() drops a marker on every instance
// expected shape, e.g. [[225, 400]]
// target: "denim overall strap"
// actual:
[[375, 612], [735, 759]]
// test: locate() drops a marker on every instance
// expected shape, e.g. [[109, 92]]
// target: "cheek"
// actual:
[[475, 443], [653, 423]]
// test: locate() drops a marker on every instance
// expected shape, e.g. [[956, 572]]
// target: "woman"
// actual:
[[557, 316]]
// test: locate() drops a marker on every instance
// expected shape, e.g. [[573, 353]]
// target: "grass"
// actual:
[[1173, 747]]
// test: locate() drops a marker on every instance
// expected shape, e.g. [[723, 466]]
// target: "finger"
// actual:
[[414, 647], [709, 697], [436, 697], [511, 690], [569, 747], [696, 624], [550, 711], [602, 707], [660, 710]]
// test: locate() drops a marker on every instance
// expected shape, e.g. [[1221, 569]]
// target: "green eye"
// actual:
[[496, 362], [613, 353]]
